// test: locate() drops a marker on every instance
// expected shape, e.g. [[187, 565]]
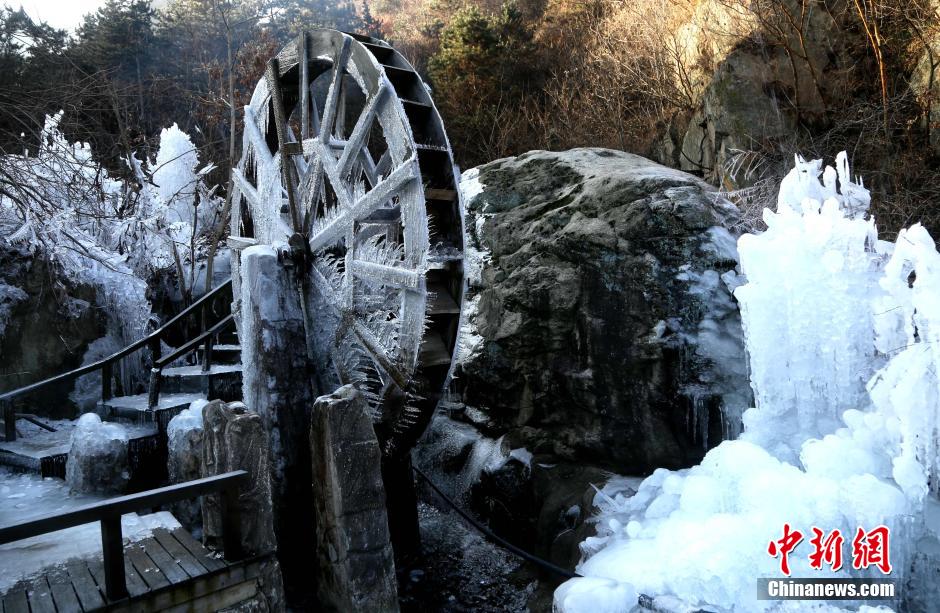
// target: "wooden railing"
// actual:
[[207, 338], [105, 365], [109, 513]]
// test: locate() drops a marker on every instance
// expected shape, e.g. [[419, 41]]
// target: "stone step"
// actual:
[[45, 452], [136, 410], [219, 382], [222, 354]]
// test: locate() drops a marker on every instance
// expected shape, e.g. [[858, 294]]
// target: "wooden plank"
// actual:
[[149, 572], [39, 595], [164, 561], [218, 600], [85, 587], [96, 569], [203, 555], [63, 594], [433, 351], [135, 583], [181, 555], [15, 602], [440, 301], [446, 195], [186, 595]]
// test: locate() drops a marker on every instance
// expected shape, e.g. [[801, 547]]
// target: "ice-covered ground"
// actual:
[[28, 496], [842, 336]]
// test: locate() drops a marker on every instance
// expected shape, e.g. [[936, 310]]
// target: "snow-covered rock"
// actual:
[[98, 457]]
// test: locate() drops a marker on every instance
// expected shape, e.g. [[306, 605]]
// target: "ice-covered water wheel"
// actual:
[[346, 165]]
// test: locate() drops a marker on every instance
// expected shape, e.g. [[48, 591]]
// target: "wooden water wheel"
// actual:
[[346, 165]]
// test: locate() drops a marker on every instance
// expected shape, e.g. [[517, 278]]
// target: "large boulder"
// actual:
[[600, 325]]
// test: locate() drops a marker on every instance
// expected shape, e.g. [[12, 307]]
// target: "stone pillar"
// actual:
[[278, 385], [235, 439], [356, 568]]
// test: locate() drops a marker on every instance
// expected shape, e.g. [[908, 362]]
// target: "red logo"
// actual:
[[868, 549], [871, 549], [828, 550], [784, 546]]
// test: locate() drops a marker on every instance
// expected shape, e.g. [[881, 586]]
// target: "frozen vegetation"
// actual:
[[108, 233], [842, 334]]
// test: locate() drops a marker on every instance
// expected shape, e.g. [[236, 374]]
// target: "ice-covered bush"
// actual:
[[842, 336], [106, 232]]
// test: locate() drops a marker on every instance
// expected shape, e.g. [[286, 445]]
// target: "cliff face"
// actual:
[[46, 325]]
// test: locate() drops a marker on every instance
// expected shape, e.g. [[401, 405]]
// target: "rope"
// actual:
[[491, 536]]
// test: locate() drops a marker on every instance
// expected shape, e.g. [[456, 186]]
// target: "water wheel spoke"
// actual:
[[356, 140], [379, 355], [376, 197], [247, 189], [395, 276], [382, 166], [281, 126], [368, 167], [333, 96], [332, 231], [258, 144], [310, 189], [304, 86], [340, 188]]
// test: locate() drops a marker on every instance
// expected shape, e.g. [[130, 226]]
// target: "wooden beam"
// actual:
[[280, 121]]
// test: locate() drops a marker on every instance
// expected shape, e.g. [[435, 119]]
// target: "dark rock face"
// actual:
[[46, 324], [599, 329]]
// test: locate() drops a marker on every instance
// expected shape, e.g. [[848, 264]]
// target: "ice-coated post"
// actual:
[[277, 384]]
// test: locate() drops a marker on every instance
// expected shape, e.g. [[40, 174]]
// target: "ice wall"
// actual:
[[841, 332]]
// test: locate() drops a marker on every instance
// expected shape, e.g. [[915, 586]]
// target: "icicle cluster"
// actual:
[[842, 335]]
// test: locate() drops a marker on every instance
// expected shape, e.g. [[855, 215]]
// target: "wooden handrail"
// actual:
[[193, 344], [109, 513], [156, 373], [89, 368]]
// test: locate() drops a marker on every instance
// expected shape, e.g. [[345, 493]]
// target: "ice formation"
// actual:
[[98, 457], [841, 332]]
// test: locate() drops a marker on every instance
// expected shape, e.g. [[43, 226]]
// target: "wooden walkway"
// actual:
[[167, 571]]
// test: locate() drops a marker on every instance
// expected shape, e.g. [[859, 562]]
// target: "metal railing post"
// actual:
[[9, 420], [112, 550], [153, 396], [106, 381], [207, 355]]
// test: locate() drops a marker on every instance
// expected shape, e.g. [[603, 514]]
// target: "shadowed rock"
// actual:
[[356, 564]]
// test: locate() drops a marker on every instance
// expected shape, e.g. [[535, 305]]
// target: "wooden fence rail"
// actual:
[[109, 513]]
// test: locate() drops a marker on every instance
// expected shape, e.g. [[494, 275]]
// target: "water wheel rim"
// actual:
[[317, 144]]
